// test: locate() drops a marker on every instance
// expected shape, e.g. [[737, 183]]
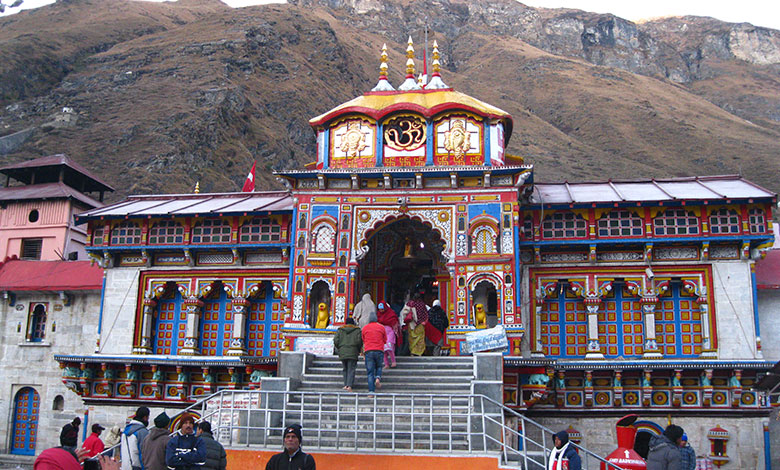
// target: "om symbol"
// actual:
[[405, 133]]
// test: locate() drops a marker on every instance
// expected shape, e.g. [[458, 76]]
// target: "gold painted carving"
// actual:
[[354, 141], [405, 133], [457, 139]]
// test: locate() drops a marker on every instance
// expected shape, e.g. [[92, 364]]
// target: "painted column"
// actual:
[[706, 335], [754, 290], [594, 347], [537, 350], [651, 350], [767, 446], [146, 346], [192, 305], [237, 342]]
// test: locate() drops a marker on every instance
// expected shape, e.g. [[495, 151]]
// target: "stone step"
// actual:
[[319, 369]]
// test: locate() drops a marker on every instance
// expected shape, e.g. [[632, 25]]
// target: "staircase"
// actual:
[[427, 375]]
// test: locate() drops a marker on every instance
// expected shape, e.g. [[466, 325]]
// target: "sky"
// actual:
[[758, 12]]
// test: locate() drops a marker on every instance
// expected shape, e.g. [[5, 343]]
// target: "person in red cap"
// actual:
[[93, 443], [292, 457]]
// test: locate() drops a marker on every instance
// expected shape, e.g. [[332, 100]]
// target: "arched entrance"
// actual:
[[320, 293], [404, 255], [25, 422], [485, 294]]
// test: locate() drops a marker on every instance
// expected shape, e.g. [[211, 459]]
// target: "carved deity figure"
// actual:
[[457, 139], [354, 141], [480, 316], [322, 316]]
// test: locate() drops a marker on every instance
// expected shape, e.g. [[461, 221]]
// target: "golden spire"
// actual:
[[197, 187], [436, 82], [383, 84], [410, 58], [383, 63]]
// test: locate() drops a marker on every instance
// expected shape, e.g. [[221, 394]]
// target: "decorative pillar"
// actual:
[[157, 381], [651, 350], [617, 388], [240, 311], [147, 320], [647, 388], [208, 380], [707, 351], [182, 383], [588, 388], [706, 387], [537, 350], [560, 389], [192, 305], [735, 384], [594, 347], [677, 389]]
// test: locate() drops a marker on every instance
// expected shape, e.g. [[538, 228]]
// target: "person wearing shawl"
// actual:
[[436, 326], [415, 315], [363, 311], [387, 317], [561, 451]]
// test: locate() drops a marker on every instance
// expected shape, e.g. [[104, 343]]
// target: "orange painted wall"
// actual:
[[243, 459]]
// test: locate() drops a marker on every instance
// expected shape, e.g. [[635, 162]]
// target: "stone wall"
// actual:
[[769, 314], [745, 448], [119, 309], [732, 286], [28, 364]]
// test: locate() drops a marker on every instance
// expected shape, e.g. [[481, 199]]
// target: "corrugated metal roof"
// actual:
[[697, 188], [18, 275], [189, 204], [22, 170], [45, 191]]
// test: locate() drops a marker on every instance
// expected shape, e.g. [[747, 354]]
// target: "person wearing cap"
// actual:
[[69, 435], [292, 457], [216, 457], [185, 450], [563, 451], [664, 453], [93, 443], [153, 447], [132, 439], [348, 344], [687, 455]]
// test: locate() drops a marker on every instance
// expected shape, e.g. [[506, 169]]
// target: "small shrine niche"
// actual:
[[718, 438]]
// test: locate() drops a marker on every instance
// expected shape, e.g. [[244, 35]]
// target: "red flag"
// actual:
[[249, 184]]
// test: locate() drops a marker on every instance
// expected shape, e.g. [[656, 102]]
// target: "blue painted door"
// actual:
[[25, 422], [170, 327], [263, 327]]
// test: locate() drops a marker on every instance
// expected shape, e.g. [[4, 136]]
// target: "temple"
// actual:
[[614, 296]]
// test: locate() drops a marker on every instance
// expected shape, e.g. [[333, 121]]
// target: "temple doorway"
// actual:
[[485, 294], [404, 257]]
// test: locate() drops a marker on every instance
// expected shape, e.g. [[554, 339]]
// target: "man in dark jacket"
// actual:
[[292, 457], [216, 457], [153, 447], [687, 455], [69, 436], [563, 450], [664, 451], [185, 450], [348, 343]]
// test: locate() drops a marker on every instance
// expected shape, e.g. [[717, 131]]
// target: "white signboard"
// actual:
[[317, 345], [492, 339]]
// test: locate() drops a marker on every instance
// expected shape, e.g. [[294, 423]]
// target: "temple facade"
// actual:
[[614, 296]]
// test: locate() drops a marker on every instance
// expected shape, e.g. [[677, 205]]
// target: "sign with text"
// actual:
[[317, 345], [492, 339]]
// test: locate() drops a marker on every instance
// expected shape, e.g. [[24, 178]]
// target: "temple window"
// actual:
[[621, 330], [564, 225], [678, 324], [323, 238], [676, 222], [216, 325], [620, 223], [724, 221], [37, 322], [260, 229], [211, 231], [166, 232], [98, 236], [757, 220], [528, 227], [126, 233], [170, 324], [564, 325], [483, 240]]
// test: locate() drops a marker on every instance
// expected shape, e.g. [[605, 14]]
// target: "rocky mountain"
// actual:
[[156, 96]]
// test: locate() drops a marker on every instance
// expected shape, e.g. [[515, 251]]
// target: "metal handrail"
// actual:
[[384, 423]]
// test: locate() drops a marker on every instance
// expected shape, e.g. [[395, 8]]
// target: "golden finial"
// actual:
[[197, 187], [436, 63], [383, 64], [410, 58]]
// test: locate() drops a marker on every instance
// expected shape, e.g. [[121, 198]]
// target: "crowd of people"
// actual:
[[667, 451], [380, 333]]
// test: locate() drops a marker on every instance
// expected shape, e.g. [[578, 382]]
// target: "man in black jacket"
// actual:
[[185, 450], [216, 457], [293, 458]]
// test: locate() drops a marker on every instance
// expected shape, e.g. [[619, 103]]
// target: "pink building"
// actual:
[[37, 206]]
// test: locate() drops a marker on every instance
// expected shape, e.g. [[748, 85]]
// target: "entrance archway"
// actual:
[[404, 256], [485, 293], [27, 404], [320, 293]]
